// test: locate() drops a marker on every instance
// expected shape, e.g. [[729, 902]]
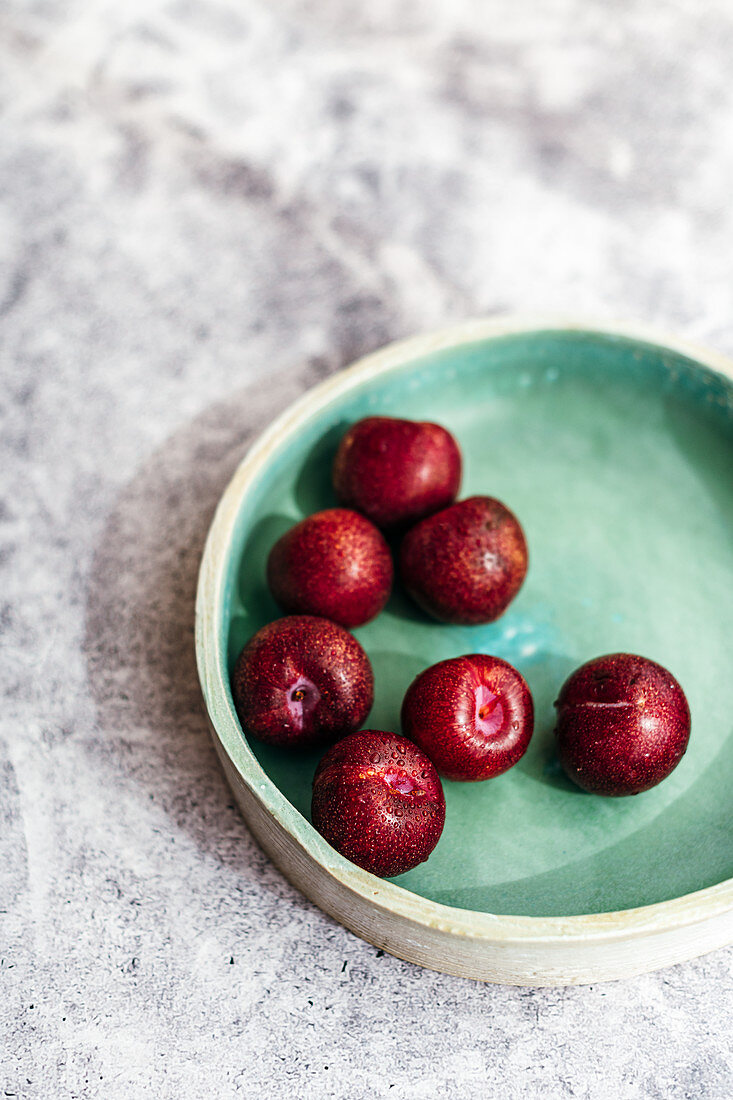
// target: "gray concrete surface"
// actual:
[[205, 206]]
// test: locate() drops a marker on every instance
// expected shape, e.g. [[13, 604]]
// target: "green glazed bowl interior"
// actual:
[[617, 456]]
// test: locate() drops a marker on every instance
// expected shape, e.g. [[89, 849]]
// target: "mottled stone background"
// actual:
[[207, 205]]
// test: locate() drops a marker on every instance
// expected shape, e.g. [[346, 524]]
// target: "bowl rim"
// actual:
[[666, 916]]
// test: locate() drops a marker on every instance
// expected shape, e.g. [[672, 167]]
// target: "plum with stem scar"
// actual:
[[472, 715], [623, 724], [335, 564], [302, 681], [378, 800], [466, 563], [396, 471]]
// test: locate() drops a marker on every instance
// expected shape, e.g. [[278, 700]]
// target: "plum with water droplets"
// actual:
[[623, 724], [396, 471], [302, 681], [466, 563], [472, 715], [378, 800], [334, 564]]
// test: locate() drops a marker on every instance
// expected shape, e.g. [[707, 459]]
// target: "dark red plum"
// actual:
[[335, 564], [302, 681], [396, 471], [473, 716], [466, 563], [378, 800], [623, 724]]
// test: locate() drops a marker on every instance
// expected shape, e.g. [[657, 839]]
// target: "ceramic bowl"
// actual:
[[615, 449]]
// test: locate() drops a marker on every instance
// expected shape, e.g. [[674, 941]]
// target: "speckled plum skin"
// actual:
[[335, 564], [302, 681], [473, 716], [623, 724], [397, 471], [466, 563], [378, 800]]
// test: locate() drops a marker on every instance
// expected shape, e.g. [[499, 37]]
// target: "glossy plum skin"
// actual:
[[396, 471], [302, 681], [466, 563], [623, 724], [334, 564], [473, 716], [378, 800]]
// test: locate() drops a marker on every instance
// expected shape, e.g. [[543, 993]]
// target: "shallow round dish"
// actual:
[[616, 452]]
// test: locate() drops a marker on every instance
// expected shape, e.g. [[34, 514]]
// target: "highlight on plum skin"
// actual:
[[466, 563], [302, 681], [623, 725], [397, 471], [378, 800], [335, 564], [472, 715]]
